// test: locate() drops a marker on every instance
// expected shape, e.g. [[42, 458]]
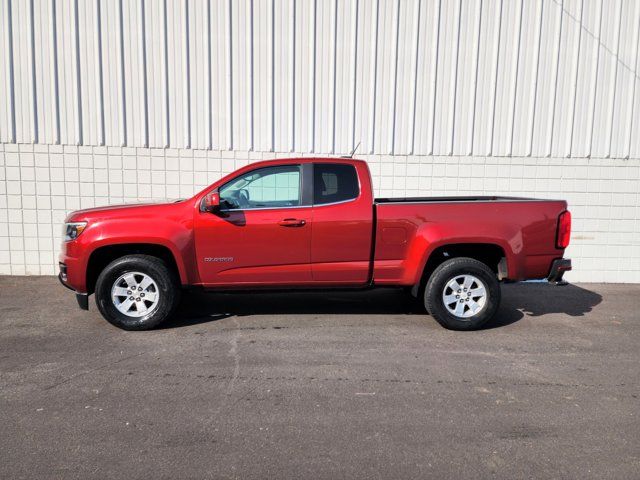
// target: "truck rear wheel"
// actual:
[[137, 292], [462, 294]]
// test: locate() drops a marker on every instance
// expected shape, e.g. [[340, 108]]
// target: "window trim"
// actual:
[[318, 205], [301, 196], [264, 208]]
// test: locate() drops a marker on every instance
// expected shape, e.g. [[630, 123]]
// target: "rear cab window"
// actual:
[[334, 182]]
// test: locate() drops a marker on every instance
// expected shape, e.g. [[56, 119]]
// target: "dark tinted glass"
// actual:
[[334, 183]]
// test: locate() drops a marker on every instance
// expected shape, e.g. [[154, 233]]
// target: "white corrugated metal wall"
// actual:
[[449, 77], [413, 81]]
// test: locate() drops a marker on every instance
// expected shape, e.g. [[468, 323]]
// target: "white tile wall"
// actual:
[[525, 98], [41, 184]]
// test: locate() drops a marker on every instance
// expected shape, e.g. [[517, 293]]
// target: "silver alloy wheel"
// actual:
[[464, 296], [135, 294]]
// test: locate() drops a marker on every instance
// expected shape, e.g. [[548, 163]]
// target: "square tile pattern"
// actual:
[[41, 184]]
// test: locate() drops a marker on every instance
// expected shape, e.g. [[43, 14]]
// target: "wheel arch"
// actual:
[[491, 254], [103, 255]]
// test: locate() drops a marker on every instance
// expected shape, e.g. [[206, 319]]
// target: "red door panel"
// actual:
[[342, 224], [341, 244], [254, 247]]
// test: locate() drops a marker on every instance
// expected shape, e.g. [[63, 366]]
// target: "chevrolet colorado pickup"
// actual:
[[311, 223]]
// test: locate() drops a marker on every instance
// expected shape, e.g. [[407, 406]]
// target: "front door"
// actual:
[[262, 233]]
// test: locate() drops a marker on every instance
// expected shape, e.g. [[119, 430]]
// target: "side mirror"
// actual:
[[211, 202]]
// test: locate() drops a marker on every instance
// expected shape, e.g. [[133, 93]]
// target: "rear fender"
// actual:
[[430, 237]]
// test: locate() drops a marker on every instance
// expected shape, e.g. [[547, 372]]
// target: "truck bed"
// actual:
[[523, 228], [480, 199]]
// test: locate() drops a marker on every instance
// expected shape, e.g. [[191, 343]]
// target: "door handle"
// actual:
[[292, 222]]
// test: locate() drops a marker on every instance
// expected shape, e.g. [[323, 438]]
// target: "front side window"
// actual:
[[334, 182], [271, 187]]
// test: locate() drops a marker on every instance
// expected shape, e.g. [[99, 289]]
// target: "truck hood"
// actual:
[[115, 210]]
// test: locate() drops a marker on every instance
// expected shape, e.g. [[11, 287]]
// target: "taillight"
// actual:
[[564, 230]]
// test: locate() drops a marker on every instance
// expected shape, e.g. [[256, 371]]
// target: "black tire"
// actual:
[[447, 271], [157, 270]]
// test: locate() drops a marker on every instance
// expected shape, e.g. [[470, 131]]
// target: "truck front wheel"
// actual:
[[137, 292], [462, 294]]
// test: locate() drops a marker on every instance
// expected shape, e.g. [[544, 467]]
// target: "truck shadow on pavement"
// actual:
[[518, 301], [521, 300]]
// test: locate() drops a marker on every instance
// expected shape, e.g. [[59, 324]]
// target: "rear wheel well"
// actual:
[[488, 253], [103, 256]]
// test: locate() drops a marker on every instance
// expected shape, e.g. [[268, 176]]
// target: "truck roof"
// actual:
[[298, 160]]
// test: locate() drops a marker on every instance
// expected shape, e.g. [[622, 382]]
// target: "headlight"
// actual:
[[73, 230]]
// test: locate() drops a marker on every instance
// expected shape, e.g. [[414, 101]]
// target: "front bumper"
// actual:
[[558, 267], [81, 298]]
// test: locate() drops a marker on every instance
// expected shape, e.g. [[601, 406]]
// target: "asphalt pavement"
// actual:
[[321, 386]]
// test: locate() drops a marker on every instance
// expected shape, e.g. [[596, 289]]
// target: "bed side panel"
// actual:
[[408, 233]]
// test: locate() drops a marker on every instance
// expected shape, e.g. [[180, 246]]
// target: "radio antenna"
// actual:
[[352, 151]]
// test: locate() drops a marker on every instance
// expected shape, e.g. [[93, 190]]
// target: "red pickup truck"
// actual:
[[311, 223]]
